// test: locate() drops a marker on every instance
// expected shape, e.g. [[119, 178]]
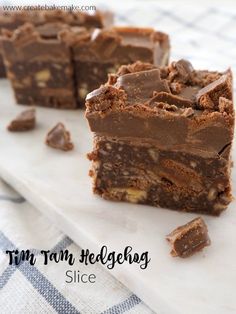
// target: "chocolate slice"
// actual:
[[157, 147], [59, 138], [25, 121], [188, 239]]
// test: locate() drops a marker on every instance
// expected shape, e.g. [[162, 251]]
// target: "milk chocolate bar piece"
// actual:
[[102, 51], [156, 143], [25, 121], [39, 66], [59, 138], [188, 239], [12, 20]]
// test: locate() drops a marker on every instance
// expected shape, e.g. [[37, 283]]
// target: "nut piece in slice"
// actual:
[[25, 121], [59, 138], [188, 239]]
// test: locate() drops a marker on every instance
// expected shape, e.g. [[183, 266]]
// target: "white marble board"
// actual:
[[57, 184]]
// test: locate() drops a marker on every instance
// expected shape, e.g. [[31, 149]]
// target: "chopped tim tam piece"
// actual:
[[188, 239], [59, 138], [141, 85], [25, 121], [208, 96]]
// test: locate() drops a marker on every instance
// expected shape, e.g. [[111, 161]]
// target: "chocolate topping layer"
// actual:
[[179, 81], [139, 102], [122, 45], [30, 42]]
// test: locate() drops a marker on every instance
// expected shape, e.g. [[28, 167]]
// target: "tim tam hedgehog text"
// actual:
[[108, 258]]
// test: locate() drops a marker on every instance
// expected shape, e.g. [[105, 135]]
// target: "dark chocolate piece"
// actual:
[[25, 121], [188, 239], [181, 70], [59, 138], [158, 147], [141, 85]]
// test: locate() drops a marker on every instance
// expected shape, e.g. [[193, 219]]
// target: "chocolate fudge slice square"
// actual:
[[163, 137], [14, 19], [102, 51], [39, 66]]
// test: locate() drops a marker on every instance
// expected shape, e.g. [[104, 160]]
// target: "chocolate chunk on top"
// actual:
[[175, 84], [59, 138], [140, 86], [178, 84], [189, 92], [25, 121], [182, 70], [171, 100], [226, 105], [105, 98], [135, 67], [188, 239], [208, 97]]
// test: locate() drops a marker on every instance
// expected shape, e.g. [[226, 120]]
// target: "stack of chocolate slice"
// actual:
[[163, 136]]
